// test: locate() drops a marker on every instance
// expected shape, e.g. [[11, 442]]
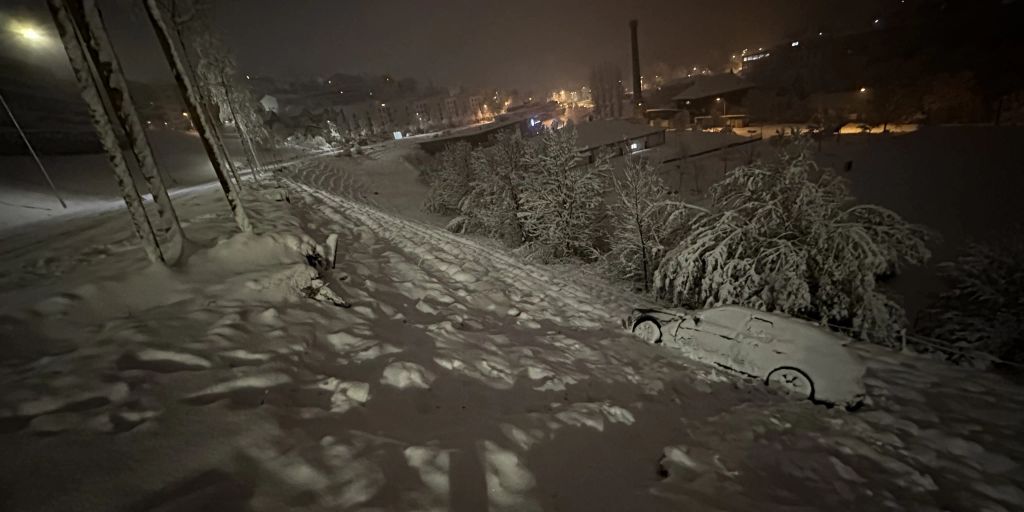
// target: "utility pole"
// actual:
[[32, 151]]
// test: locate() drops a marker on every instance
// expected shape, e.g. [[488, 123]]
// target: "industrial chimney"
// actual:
[[638, 98]]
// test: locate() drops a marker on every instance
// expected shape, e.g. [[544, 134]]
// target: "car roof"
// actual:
[[782, 323]]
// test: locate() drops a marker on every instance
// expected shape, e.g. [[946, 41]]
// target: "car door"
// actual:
[[715, 331], [755, 345]]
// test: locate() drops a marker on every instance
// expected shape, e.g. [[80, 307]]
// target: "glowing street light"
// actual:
[[28, 34]]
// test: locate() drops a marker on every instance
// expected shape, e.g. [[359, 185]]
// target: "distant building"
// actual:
[[713, 100], [705, 93], [618, 136]]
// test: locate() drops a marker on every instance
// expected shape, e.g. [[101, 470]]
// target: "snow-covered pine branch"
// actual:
[[782, 236], [450, 182], [640, 215], [493, 205], [563, 201]]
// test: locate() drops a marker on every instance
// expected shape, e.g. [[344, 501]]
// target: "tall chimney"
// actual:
[[638, 98]]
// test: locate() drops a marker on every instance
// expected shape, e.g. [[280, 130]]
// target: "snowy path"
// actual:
[[461, 379]]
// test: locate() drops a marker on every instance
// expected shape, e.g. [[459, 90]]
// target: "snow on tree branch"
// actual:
[[783, 235]]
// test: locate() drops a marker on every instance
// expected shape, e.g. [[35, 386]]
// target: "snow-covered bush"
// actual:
[[563, 201], [784, 235], [449, 182], [982, 307], [494, 204], [641, 215]]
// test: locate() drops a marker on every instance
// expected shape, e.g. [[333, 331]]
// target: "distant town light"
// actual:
[[821, 33], [382, 105], [184, 114], [877, 21], [863, 89], [795, 43], [718, 99], [247, 77]]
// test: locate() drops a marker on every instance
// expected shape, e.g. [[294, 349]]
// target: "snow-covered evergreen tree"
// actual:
[[450, 181], [784, 235], [640, 215], [983, 305], [493, 205], [563, 201]]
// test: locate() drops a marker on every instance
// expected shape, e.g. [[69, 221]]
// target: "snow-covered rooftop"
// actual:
[[607, 131], [713, 85]]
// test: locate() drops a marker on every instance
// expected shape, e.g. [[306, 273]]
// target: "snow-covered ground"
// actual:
[[87, 184], [460, 379]]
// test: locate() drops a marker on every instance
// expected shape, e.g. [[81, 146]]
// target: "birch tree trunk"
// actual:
[[73, 43], [198, 115], [254, 162], [86, 14], [205, 102]]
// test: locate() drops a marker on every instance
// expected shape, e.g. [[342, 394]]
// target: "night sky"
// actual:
[[521, 43]]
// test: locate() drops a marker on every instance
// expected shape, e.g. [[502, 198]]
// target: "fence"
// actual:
[[957, 352]]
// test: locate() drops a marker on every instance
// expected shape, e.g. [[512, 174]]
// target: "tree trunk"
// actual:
[[220, 145], [198, 116], [247, 144], [71, 38], [203, 101], [87, 15]]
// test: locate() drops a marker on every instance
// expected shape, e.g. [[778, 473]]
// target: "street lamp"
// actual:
[[28, 34]]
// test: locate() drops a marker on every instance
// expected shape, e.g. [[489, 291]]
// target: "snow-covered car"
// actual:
[[798, 357]]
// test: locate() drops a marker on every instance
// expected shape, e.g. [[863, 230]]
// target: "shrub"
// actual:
[[982, 307], [450, 182], [563, 200], [784, 235]]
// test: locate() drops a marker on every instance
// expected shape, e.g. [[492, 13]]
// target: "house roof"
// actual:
[[607, 131], [712, 85]]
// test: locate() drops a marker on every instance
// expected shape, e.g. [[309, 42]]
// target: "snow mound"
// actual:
[[403, 375]]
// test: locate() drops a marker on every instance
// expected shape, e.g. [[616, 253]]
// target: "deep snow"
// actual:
[[460, 379]]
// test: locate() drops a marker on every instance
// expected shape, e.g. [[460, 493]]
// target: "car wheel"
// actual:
[[792, 382], [649, 330]]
